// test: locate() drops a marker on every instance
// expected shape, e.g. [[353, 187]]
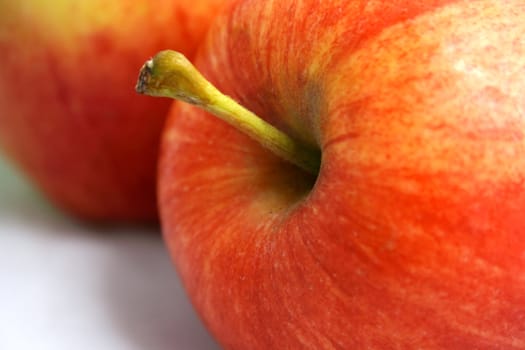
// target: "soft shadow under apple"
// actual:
[[147, 300], [73, 285]]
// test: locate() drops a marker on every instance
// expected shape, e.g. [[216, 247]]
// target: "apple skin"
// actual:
[[69, 115], [413, 234]]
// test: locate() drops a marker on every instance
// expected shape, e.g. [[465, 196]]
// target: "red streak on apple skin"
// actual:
[[413, 235], [69, 115]]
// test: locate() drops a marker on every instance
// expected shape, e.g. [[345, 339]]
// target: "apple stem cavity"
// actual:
[[171, 74]]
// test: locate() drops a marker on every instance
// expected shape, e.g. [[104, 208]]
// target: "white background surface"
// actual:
[[68, 286]]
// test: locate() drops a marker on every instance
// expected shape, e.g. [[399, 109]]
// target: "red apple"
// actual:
[[412, 236], [68, 112]]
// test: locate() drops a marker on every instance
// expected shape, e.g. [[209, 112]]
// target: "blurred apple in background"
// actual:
[[412, 236], [68, 113]]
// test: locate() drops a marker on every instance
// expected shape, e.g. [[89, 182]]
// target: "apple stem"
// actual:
[[170, 74]]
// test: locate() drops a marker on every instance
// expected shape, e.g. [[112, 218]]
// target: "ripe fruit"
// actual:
[[413, 235], [68, 112]]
